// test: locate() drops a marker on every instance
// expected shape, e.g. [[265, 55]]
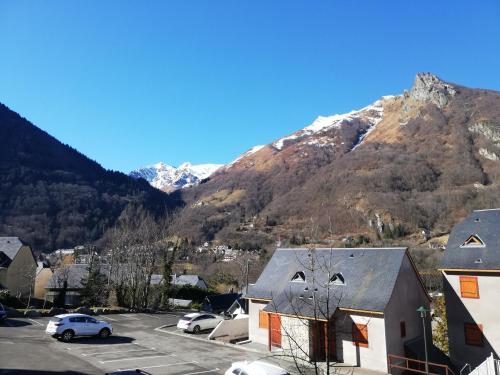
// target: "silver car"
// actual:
[[67, 326]]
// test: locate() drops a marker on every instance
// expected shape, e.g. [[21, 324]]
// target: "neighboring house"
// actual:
[[69, 280], [219, 303], [471, 270], [43, 275], [17, 266], [355, 306], [192, 280]]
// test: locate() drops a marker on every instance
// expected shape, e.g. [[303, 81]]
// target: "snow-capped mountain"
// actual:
[[333, 135], [168, 178]]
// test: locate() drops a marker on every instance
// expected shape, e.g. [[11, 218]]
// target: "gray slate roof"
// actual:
[[484, 224], [369, 274], [187, 280], [73, 274], [9, 246]]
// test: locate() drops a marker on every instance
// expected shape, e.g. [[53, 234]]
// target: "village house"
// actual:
[[189, 280], [355, 306], [471, 270], [43, 275], [17, 267], [68, 281]]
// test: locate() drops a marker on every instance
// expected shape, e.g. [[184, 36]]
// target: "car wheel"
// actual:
[[104, 333], [196, 329], [67, 336]]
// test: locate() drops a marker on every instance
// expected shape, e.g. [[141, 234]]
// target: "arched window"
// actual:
[[299, 277]]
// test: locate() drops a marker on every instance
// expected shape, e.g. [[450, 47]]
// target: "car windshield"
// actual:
[[188, 317], [55, 320]]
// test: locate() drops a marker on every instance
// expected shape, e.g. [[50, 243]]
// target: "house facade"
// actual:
[[17, 267], [471, 272], [354, 306], [43, 275]]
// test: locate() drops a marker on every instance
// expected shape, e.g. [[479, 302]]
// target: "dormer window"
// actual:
[[337, 279], [299, 277], [473, 241]]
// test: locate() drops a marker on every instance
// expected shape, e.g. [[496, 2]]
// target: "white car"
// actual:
[[67, 326], [255, 368], [196, 322]]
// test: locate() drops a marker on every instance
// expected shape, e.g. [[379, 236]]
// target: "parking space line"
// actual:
[[151, 316], [107, 318], [34, 321], [202, 372], [135, 358], [119, 351], [6, 342], [131, 317], [168, 365]]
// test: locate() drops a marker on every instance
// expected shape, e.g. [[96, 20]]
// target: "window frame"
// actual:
[[469, 279], [475, 327], [358, 339]]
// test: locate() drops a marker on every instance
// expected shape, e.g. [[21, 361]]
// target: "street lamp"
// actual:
[[423, 314]]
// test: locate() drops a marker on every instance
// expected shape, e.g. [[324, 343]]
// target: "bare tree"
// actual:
[[311, 321]]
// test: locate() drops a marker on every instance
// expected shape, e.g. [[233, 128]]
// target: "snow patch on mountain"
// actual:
[[372, 114], [252, 151], [168, 178]]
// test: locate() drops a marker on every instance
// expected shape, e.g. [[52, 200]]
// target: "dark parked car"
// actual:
[[3, 313]]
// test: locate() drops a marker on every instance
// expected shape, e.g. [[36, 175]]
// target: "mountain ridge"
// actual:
[[422, 161]]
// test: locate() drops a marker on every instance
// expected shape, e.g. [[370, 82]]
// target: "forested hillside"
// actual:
[[52, 196]]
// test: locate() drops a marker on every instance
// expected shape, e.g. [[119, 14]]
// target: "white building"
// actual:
[[354, 305], [471, 270]]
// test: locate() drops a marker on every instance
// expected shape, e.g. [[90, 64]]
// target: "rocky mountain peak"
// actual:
[[428, 87]]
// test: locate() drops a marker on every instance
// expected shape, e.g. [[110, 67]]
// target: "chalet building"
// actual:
[[471, 270], [355, 306], [17, 266]]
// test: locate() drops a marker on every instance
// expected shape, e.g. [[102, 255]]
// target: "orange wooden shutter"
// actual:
[[360, 335], [469, 287], [473, 334], [263, 319]]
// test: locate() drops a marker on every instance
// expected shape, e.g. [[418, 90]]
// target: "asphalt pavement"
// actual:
[[146, 341]]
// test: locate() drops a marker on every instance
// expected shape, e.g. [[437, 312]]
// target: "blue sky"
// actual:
[[130, 83]]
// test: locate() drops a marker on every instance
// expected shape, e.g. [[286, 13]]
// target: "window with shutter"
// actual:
[[469, 287], [360, 335], [473, 334], [263, 319]]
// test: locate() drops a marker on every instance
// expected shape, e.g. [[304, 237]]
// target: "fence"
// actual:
[[490, 366], [417, 366]]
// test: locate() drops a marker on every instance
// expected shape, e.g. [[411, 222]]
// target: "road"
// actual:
[[26, 349]]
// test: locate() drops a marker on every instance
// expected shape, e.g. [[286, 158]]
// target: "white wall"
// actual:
[[483, 310], [295, 337], [230, 329], [374, 356], [256, 334]]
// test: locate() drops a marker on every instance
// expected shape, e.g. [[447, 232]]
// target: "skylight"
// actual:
[[299, 277]]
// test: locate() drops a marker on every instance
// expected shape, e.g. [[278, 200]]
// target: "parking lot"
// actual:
[[146, 341]]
